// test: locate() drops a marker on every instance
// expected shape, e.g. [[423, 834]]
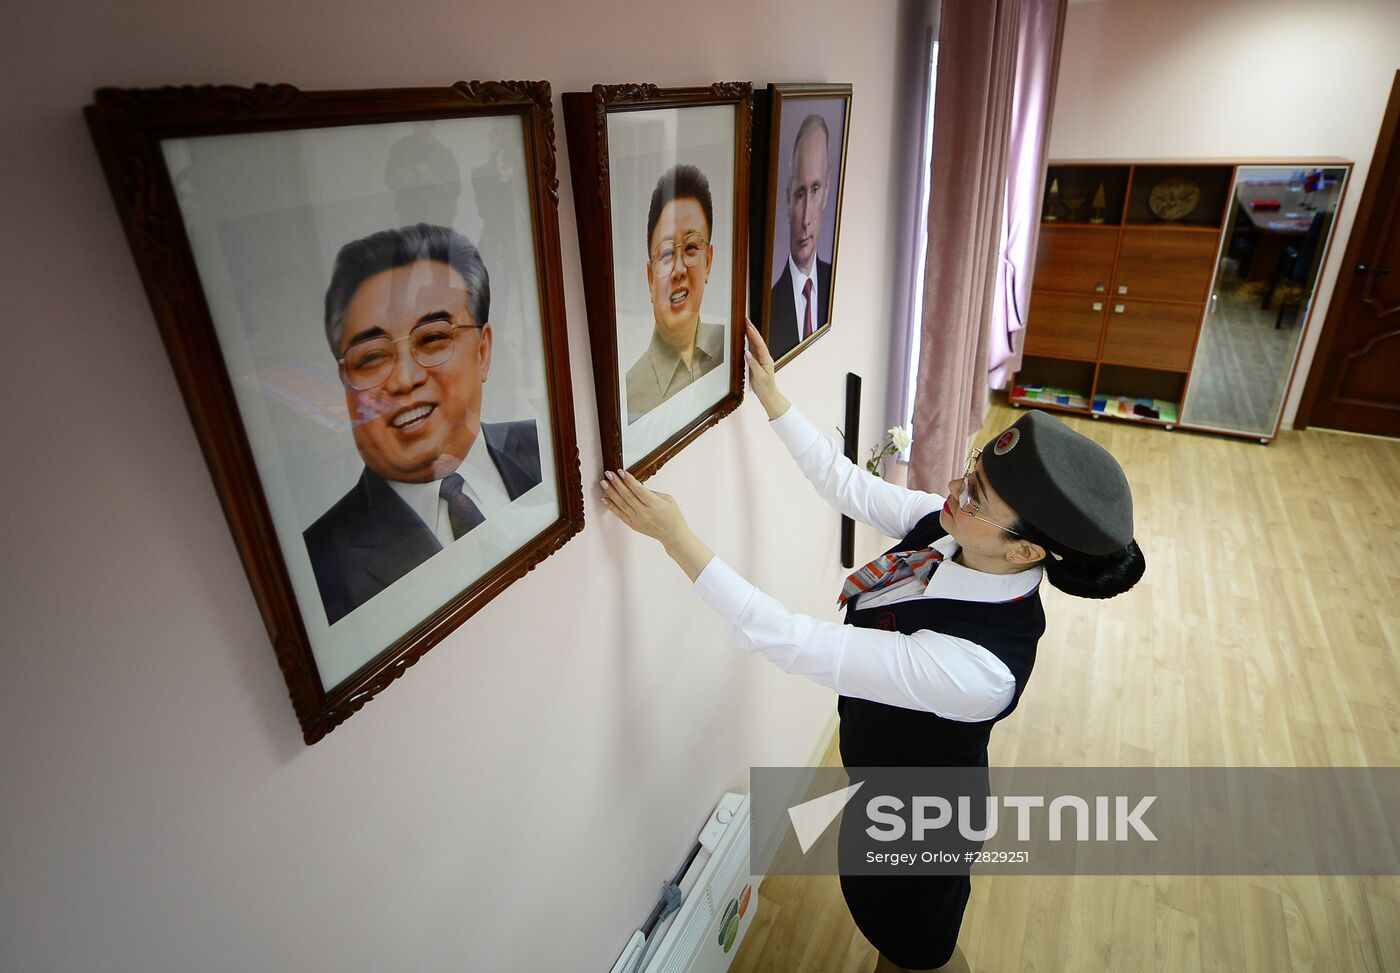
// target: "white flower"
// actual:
[[899, 437]]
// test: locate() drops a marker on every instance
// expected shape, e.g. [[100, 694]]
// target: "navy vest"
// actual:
[[880, 735]]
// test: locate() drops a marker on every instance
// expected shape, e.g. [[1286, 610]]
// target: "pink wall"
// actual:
[[1239, 79], [159, 810]]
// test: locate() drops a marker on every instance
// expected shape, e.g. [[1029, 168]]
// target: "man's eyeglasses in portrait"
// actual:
[[691, 250], [369, 363]]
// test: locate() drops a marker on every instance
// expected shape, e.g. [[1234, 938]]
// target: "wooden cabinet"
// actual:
[[1166, 265], [1124, 266], [1066, 325], [1151, 334], [1075, 260], [1165, 292]]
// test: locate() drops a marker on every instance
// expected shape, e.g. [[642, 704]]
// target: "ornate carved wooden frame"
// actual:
[[586, 117], [128, 126]]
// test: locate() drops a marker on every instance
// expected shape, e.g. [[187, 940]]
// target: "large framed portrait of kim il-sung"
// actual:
[[360, 292], [661, 187], [793, 280]]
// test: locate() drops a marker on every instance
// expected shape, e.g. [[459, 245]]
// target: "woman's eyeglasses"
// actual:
[[966, 499]]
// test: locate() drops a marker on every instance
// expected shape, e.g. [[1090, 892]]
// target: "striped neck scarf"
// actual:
[[886, 569]]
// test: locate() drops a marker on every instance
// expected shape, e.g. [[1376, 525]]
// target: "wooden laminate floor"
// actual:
[[1265, 633]]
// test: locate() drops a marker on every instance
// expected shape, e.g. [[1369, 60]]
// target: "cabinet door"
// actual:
[[1065, 325], [1074, 259], [1165, 265], [1151, 335]]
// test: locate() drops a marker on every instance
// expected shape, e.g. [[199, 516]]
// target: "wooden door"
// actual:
[[1355, 379]]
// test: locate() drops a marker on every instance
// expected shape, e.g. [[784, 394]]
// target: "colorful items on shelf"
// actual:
[[1127, 407], [1051, 395]]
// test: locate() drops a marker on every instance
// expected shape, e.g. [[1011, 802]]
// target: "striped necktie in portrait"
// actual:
[[886, 569], [461, 511]]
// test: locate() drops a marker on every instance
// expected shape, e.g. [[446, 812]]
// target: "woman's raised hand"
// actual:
[[656, 515], [644, 510], [761, 373]]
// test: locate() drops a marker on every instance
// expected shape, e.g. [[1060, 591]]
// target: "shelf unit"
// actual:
[[1120, 291]]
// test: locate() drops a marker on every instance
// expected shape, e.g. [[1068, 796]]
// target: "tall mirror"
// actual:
[[1280, 221]]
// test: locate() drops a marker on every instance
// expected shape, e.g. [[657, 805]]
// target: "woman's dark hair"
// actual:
[[1087, 575]]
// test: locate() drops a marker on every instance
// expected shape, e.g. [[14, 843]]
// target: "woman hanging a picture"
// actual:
[[940, 633]]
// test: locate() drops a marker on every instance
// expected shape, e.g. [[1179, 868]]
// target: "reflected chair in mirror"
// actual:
[[1242, 242], [1297, 270]]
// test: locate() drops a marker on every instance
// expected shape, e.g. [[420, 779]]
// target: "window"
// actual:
[[920, 246]]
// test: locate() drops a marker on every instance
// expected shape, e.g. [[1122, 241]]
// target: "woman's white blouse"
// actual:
[[953, 677]]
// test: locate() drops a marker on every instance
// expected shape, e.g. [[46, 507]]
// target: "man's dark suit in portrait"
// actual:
[[407, 317], [800, 304], [785, 326]]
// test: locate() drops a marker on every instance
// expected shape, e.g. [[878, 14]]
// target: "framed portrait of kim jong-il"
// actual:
[[360, 293], [803, 159], [661, 190]]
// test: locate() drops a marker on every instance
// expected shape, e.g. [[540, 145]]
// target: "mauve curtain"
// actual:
[[1037, 67], [997, 64]]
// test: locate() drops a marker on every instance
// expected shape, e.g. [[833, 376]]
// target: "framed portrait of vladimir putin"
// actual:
[[793, 278], [361, 295], [661, 188]]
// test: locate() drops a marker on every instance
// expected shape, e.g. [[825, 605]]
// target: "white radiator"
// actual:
[[721, 900]]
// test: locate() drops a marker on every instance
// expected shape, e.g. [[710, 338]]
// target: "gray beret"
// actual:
[[1062, 483]]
